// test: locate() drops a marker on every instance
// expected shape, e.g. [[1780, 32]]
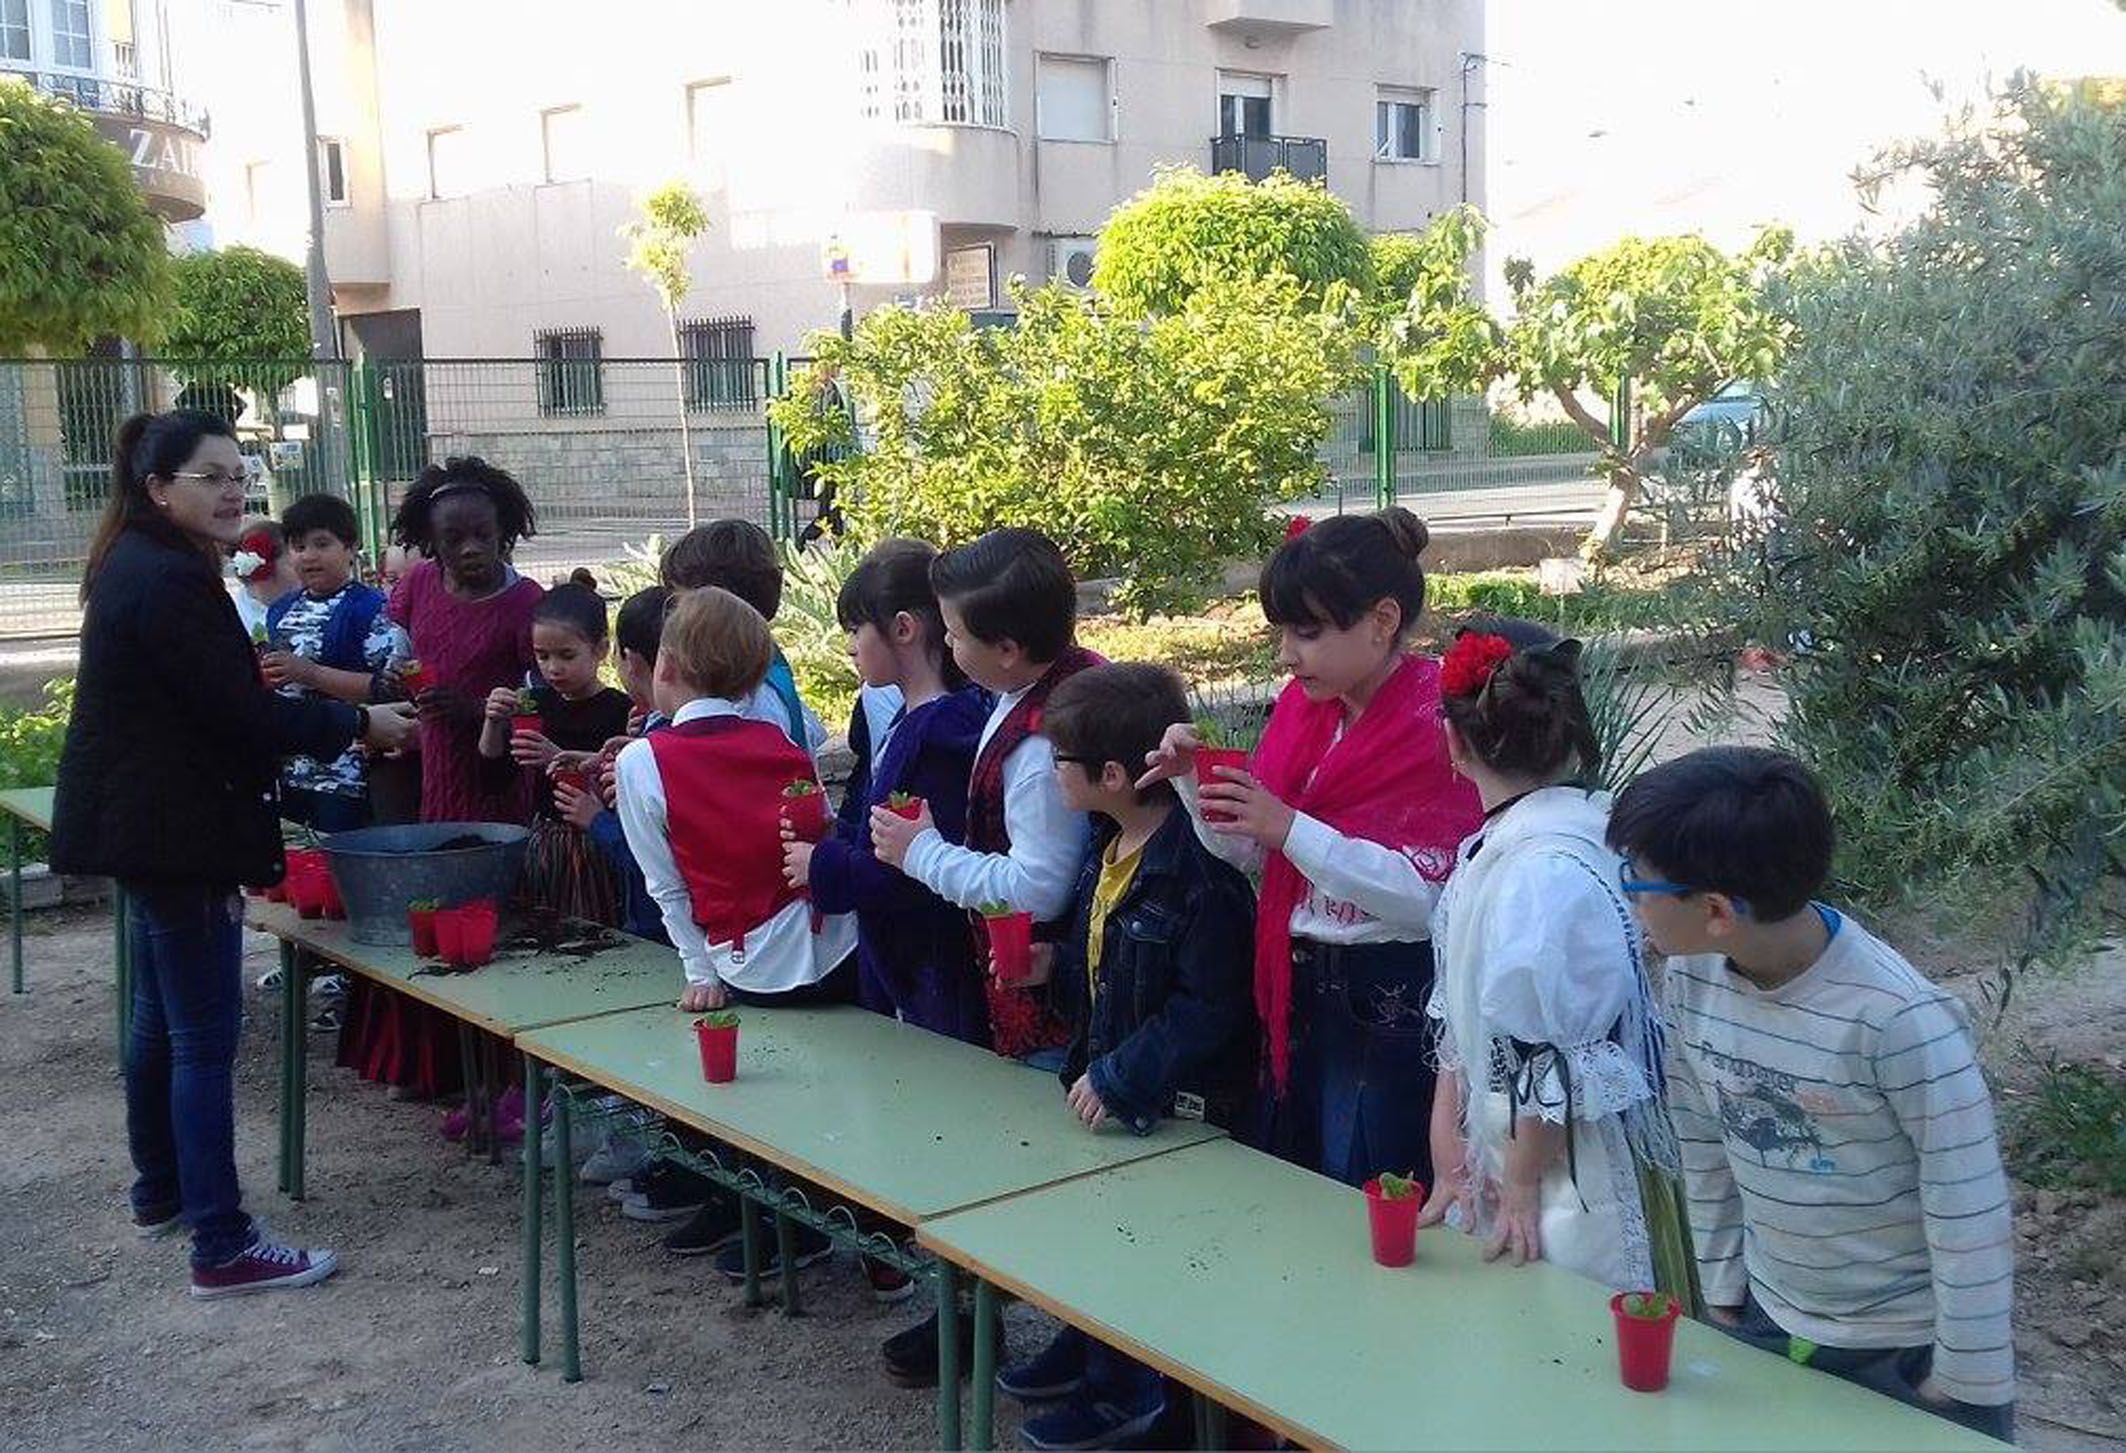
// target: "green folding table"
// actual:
[[519, 990], [887, 1117], [1252, 1281], [32, 807]]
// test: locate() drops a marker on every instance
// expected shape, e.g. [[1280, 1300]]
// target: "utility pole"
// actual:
[[1470, 61], [324, 334]]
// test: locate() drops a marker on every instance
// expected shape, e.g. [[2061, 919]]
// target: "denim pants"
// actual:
[[187, 945], [324, 811]]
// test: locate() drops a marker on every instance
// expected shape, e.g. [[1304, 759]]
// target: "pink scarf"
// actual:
[[1387, 780]]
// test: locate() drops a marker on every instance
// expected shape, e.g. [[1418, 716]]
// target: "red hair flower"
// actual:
[[1468, 665], [1295, 527], [254, 556]]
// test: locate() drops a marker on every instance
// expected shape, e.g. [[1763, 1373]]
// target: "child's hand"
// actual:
[[447, 703], [501, 704], [796, 860], [609, 781], [578, 809], [1085, 1103], [892, 834], [1175, 756], [392, 726], [530, 749], [1254, 810], [638, 717], [700, 998], [284, 668], [1450, 1190], [1517, 1222], [1732, 1317]]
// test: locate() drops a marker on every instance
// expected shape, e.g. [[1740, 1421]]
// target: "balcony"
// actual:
[[1270, 17], [159, 133], [1305, 158]]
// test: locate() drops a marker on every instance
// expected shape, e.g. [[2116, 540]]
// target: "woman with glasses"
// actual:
[[167, 783], [1550, 1132]]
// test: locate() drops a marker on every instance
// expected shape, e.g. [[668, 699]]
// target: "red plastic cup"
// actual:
[[329, 890], [1644, 1344], [1011, 947], [532, 722], [574, 778], [1208, 760], [719, 1051], [1394, 1224], [423, 923], [417, 680], [306, 889], [278, 892], [807, 815], [476, 935], [450, 935], [909, 810]]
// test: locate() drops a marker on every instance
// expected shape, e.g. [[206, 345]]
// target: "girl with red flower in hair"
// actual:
[[1351, 812], [264, 573], [1550, 1136]]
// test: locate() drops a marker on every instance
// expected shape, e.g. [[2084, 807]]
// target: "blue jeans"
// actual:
[[324, 811], [180, 1062]]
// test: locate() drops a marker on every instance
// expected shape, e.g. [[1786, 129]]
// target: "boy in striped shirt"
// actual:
[[1844, 1183]]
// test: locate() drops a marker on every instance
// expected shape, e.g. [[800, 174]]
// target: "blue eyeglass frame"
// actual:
[[1634, 886]]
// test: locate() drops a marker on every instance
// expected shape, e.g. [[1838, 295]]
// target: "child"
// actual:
[[915, 957], [1353, 813], [1549, 1136], [1845, 1186], [468, 614], [738, 556], [570, 643], [1156, 976], [330, 637], [1010, 610], [263, 573]]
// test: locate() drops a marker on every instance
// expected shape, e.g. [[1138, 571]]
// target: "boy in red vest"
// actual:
[[1011, 613]]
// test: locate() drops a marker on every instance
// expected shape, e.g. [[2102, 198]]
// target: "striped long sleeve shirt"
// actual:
[[1840, 1160]]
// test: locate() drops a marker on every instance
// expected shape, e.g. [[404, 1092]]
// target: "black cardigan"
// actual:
[[172, 759]]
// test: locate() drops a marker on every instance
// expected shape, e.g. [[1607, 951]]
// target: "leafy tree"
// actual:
[[1949, 552], [1424, 316], [81, 255], [672, 218], [239, 305], [1188, 231], [1674, 318], [1146, 448]]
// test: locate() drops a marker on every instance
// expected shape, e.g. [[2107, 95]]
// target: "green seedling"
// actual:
[[1397, 1188], [997, 909], [1649, 1306], [718, 1019]]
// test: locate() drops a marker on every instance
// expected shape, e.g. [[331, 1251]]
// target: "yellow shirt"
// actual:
[[1116, 874]]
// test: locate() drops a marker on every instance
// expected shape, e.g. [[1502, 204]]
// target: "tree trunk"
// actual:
[[1616, 508], [686, 434]]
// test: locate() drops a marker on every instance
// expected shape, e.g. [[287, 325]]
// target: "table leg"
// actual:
[[491, 1074], [1211, 1422], [295, 986], [981, 1409], [14, 873], [469, 1070], [948, 1290], [534, 1202], [749, 1240], [786, 1250], [287, 1117], [565, 1238]]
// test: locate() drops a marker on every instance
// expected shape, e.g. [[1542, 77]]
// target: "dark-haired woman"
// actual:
[[166, 783], [1550, 1133], [468, 613], [1352, 813]]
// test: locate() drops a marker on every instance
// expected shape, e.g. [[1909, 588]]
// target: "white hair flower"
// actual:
[[243, 564]]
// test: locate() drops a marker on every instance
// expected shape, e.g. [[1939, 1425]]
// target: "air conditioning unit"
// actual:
[[1070, 261]]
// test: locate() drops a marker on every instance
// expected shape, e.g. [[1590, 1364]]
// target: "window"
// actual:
[[446, 162], [719, 359], [571, 370], [709, 129], [1073, 99], [15, 30], [73, 42], [931, 62], [332, 170], [258, 191], [561, 130], [1244, 104], [1402, 125]]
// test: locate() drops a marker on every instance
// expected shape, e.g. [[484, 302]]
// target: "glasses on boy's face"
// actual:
[[1633, 887], [1090, 764]]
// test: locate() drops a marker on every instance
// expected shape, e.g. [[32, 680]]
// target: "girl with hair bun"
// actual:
[[1351, 812], [1550, 1133]]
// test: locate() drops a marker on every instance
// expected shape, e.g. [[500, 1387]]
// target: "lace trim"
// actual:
[[1573, 1082]]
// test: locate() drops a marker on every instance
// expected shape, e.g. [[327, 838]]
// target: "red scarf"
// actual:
[[1387, 780]]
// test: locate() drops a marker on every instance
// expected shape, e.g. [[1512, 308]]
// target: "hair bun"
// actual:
[[1406, 529], [582, 576]]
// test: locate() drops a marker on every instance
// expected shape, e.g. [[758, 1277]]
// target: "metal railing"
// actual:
[[1306, 158], [116, 97]]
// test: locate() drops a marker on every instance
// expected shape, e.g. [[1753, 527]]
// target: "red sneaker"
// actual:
[[263, 1266], [887, 1284]]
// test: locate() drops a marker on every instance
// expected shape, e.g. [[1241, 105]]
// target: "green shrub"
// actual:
[[2071, 1130], [30, 739]]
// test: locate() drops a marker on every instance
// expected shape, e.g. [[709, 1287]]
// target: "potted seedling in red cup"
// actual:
[[804, 807], [476, 934], [1646, 1336], [415, 676], [905, 805], [1010, 943], [576, 779], [1215, 752], [329, 891], [421, 918], [717, 1034], [1392, 1204], [450, 935], [527, 717]]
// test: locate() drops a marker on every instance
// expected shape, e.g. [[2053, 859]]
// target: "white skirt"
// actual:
[[1597, 1227]]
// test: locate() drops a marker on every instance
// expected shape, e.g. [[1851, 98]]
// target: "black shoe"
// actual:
[[712, 1227], [912, 1356], [811, 1248], [670, 1192]]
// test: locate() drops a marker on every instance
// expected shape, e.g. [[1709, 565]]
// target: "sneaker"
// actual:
[[270, 981], [911, 1356], [263, 1266], [1083, 1423], [158, 1223], [812, 1247], [326, 1020], [669, 1193], [888, 1284], [458, 1122], [1056, 1371], [615, 1160], [711, 1228], [329, 986]]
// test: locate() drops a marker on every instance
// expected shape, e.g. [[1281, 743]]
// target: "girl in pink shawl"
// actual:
[[1352, 814]]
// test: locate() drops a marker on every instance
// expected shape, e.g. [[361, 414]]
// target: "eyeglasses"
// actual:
[[1635, 886], [214, 478], [1090, 764]]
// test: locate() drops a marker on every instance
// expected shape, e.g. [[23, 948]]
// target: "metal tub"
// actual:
[[380, 870]]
